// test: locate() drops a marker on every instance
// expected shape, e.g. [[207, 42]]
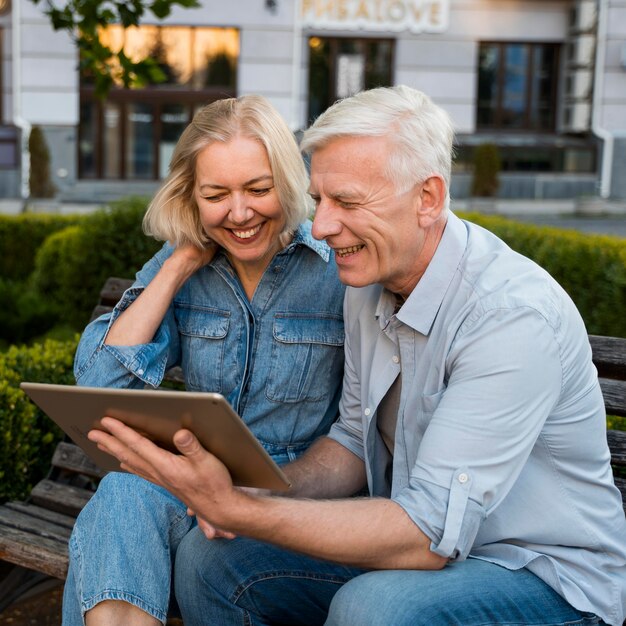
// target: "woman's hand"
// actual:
[[190, 258]]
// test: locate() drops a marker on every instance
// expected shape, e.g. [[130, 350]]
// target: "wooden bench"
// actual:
[[34, 534]]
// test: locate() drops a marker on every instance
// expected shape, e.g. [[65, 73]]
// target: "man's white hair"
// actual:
[[420, 132]]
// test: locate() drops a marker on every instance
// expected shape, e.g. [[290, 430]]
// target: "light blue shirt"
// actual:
[[278, 358], [500, 446]]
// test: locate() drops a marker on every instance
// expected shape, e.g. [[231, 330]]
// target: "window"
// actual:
[[339, 67], [132, 134], [517, 86], [579, 157]]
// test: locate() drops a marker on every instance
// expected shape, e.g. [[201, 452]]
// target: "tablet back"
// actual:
[[158, 414]]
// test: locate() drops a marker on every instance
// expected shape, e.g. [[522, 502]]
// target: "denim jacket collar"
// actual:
[[303, 236]]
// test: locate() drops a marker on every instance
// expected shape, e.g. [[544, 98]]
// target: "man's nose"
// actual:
[[324, 223]]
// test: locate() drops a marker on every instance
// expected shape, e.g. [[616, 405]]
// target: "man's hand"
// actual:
[[196, 477]]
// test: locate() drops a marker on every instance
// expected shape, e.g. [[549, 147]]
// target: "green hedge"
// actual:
[[27, 436], [72, 265], [591, 268], [20, 238], [24, 313]]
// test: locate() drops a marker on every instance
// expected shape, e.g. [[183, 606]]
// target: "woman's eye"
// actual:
[[260, 192], [216, 198]]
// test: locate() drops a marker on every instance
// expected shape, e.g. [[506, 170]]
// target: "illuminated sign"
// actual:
[[381, 15]]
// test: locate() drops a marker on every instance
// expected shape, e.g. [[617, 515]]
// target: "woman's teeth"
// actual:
[[346, 251], [246, 234]]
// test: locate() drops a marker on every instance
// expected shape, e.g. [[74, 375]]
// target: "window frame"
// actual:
[[498, 124], [334, 42], [158, 96]]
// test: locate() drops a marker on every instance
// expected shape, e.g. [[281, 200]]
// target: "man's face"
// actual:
[[376, 233]]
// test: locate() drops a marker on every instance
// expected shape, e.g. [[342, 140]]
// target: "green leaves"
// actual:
[[83, 20]]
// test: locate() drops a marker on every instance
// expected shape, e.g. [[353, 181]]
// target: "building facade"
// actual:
[[543, 80]]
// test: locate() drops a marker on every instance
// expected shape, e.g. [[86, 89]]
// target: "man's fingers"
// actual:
[[213, 532], [188, 444], [132, 450]]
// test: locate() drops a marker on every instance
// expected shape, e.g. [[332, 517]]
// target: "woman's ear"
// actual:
[[432, 200]]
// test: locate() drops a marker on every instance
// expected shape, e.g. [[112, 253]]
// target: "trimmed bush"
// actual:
[[73, 264], [485, 180], [22, 235], [41, 185], [591, 268], [24, 313], [27, 436]]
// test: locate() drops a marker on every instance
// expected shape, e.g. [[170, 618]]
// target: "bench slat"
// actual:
[[609, 355], [61, 498], [70, 457], [20, 520], [45, 515], [614, 392], [617, 444], [34, 552], [113, 290]]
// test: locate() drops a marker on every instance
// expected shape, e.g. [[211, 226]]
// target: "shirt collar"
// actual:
[[303, 236], [421, 307]]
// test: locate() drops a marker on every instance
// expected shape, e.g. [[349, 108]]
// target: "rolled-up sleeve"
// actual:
[[505, 376], [100, 365]]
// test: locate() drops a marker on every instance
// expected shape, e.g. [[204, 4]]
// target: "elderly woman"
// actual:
[[247, 302]]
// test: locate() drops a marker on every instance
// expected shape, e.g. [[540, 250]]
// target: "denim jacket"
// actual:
[[278, 359]]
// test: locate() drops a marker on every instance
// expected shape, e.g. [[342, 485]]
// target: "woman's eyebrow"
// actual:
[[252, 181]]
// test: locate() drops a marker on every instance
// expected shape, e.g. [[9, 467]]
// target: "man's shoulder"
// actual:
[[359, 297]]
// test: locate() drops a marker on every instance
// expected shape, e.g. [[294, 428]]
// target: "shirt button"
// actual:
[[463, 478], [367, 411], [395, 359], [140, 372]]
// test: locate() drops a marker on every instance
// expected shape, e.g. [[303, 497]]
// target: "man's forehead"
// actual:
[[349, 157]]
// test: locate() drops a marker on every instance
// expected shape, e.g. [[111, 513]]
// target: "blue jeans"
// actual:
[[123, 547], [124, 544], [251, 583]]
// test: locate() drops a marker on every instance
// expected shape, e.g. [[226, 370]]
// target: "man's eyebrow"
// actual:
[[248, 183], [339, 195]]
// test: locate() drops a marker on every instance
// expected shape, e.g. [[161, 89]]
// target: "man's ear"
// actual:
[[432, 200]]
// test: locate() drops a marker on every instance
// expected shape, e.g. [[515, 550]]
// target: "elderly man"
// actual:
[[470, 408]]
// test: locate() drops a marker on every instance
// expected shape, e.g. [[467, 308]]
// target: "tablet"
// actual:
[[158, 414]]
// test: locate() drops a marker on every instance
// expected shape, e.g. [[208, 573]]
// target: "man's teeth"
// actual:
[[347, 251], [246, 234]]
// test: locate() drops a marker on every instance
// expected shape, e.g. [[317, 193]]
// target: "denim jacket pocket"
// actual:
[[307, 353], [203, 333]]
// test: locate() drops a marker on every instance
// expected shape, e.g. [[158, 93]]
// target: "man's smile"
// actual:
[[344, 252]]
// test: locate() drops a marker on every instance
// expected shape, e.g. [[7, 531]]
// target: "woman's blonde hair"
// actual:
[[173, 213]]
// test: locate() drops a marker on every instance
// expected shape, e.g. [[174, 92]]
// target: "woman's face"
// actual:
[[238, 204]]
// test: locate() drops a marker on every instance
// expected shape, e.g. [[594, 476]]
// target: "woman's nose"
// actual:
[[240, 212]]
